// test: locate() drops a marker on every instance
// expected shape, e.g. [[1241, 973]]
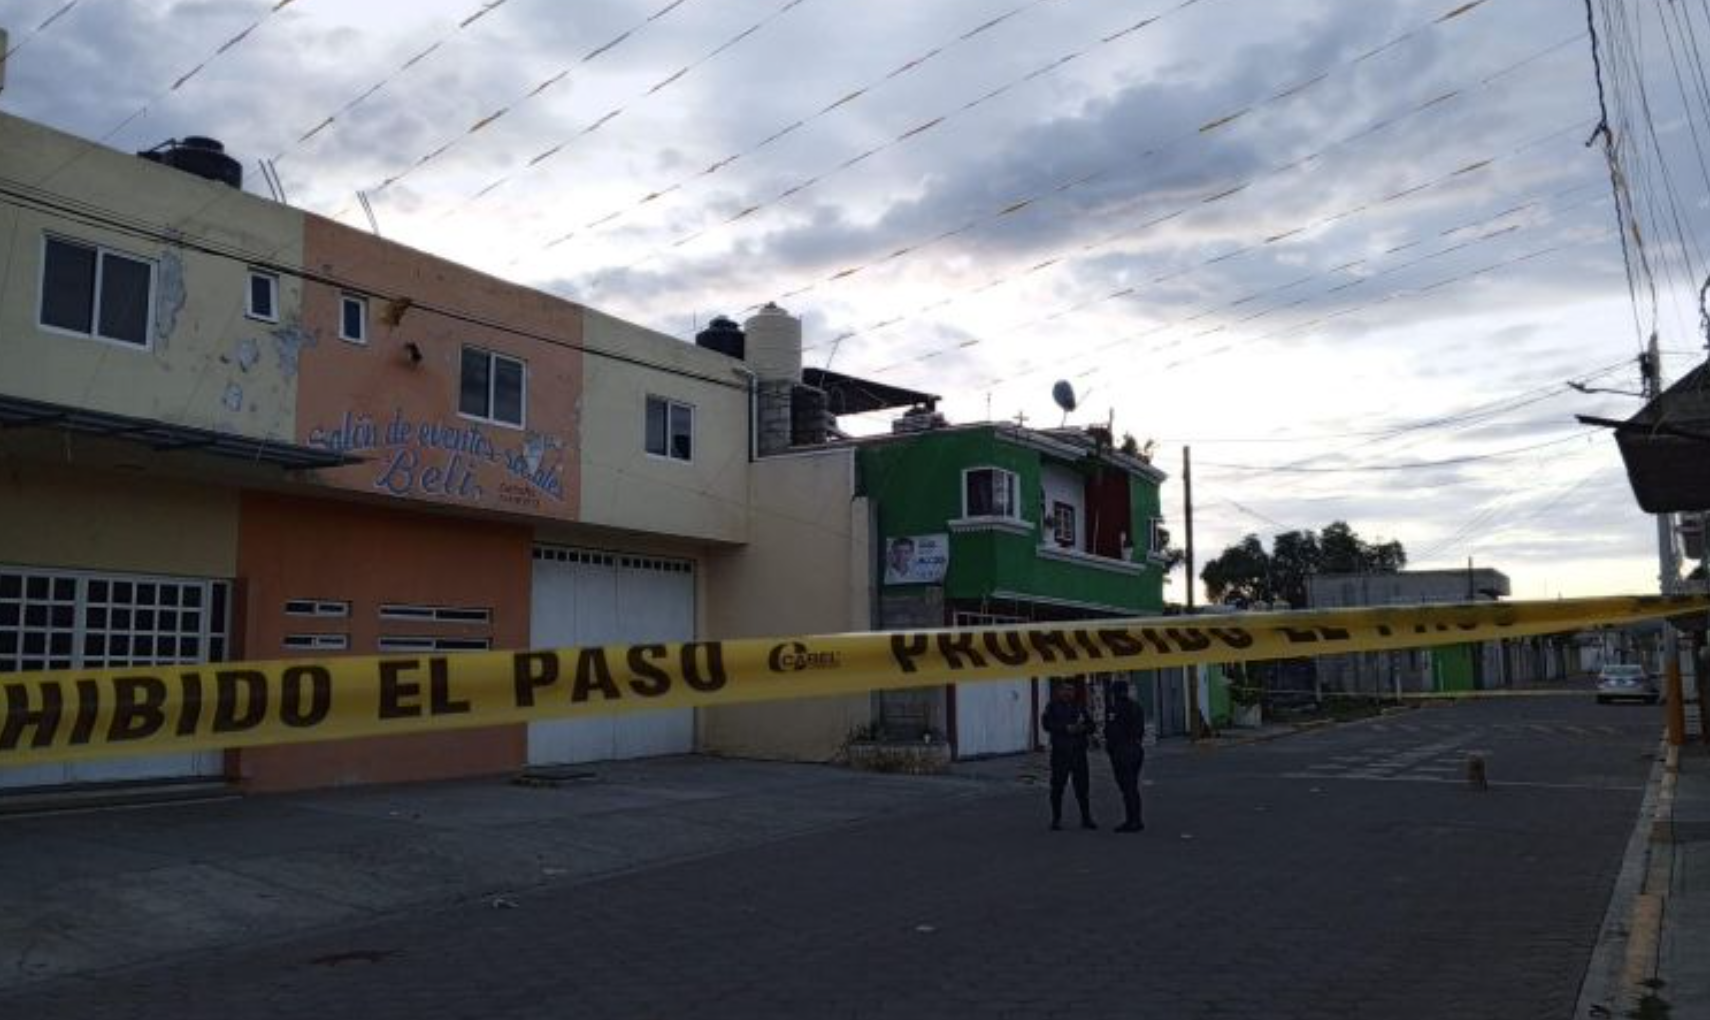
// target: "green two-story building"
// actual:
[[994, 523]]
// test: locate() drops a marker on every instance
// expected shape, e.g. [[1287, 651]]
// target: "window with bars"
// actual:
[[63, 620]]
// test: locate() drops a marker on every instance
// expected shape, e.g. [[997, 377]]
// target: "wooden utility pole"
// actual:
[[1187, 517]]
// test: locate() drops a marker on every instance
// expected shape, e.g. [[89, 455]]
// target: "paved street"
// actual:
[[1347, 872]]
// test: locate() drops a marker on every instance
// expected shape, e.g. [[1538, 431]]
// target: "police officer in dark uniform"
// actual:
[[1070, 728], [1124, 740]]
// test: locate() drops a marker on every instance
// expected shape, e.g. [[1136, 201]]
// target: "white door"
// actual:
[[584, 597], [60, 619], [993, 717]]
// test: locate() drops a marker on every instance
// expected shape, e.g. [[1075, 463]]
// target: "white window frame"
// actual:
[[249, 310], [101, 253], [671, 404], [344, 301], [327, 609], [1071, 540], [212, 633], [1014, 498], [493, 358]]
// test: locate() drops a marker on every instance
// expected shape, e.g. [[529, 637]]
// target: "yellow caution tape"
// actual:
[[77, 714]]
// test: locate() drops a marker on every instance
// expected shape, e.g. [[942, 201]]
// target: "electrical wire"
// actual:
[[38, 30], [21, 195]]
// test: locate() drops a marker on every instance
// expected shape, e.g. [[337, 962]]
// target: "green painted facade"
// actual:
[[916, 483], [1452, 667]]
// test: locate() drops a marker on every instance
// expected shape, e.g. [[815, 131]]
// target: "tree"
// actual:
[[1242, 573], [1245, 572], [1295, 556]]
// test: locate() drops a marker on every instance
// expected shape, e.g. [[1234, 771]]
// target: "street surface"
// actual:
[[1347, 872]]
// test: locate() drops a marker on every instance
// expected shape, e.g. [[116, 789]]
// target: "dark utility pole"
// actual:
[[1192, 672], [1668, 575]]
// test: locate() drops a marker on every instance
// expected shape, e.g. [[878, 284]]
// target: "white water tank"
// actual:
[[774, 344]]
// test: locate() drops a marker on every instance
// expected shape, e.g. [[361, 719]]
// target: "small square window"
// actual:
[[353, 319], [989, 492], [670, 429], [263, 296], [492, 387]]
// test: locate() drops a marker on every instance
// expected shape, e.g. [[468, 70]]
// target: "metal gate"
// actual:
[[68, 619], [593, 597]]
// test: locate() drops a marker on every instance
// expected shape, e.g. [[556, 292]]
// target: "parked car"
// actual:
[[1619, 682]]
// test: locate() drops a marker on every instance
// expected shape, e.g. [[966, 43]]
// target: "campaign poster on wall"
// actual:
[[917, 559]]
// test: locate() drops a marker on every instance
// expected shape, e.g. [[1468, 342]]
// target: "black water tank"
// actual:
[[725, 337], [204, 157]]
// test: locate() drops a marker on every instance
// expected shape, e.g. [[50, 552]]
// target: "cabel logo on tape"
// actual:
[[73, 714]]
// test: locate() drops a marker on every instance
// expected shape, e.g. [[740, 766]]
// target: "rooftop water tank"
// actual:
[[204, 157], [724, 336], [775, 343]]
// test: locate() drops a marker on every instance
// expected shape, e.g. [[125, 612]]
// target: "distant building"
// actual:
[[1445, 668]]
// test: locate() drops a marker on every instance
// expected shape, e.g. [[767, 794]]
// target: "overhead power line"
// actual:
[[38, 30], [1034, 200], [844, 99], [1263, 469], [599, 123], [1059, 363], [493, 116], [22, 195], [486, 8], [1209, 197], [183, 79], [917, 130]]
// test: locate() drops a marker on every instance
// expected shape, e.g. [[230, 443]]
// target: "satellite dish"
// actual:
[[1064, 395]]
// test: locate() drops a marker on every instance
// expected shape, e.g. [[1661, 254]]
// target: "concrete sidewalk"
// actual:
[[1651, 962], [95, 890]]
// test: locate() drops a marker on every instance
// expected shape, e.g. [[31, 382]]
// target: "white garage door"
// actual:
[[587, 597], [995, 716], [57, 619]]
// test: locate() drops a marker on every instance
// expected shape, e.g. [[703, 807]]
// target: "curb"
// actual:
[[1619, 976]]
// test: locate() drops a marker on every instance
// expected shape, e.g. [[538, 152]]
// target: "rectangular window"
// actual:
[[263, 296], [317, 642], [435, 614], [670, 429], [323, 608], [990, 492], [1063, 524], [92, 291], [433, 644], [353, 319], [492, 387]]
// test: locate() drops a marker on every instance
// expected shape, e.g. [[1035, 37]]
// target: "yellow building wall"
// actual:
[[625, 487], [207, 364], [59, 516], [805, 570]]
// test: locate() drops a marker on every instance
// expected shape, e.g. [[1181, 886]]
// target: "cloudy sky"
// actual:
[[1351, 253]]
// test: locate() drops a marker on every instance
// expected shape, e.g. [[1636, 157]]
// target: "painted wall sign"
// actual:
[[453, 461], [917, 559]]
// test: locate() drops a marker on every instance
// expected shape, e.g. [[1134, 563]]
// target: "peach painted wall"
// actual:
[[373, 400], [291, 547]]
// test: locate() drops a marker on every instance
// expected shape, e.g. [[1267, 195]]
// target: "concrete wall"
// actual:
[[625, 487], [366, 555], [806, 570], [206, 365], [377, 401], [61, 516]]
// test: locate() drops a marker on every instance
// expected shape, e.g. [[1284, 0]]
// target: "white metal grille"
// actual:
[[68, 620]]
